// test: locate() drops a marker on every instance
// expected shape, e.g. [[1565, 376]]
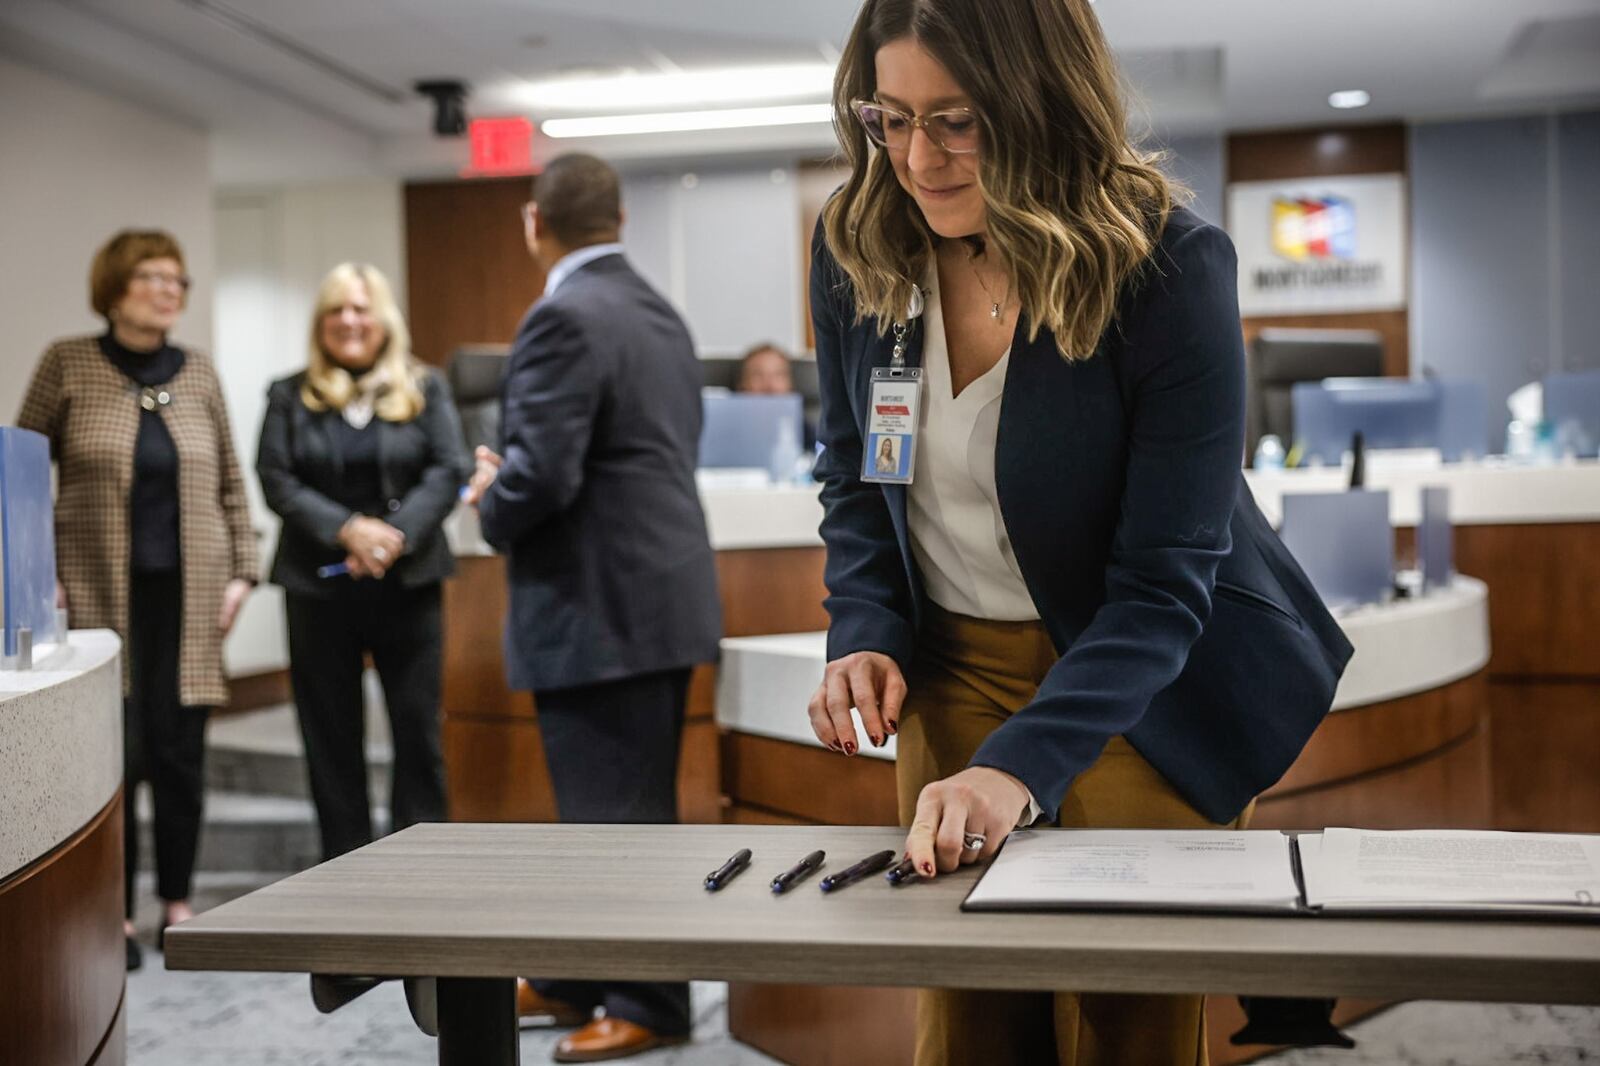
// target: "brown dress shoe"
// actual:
[[534, 1009], [611, 1038]]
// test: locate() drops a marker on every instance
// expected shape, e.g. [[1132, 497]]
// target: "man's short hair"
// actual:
[[579, 199]]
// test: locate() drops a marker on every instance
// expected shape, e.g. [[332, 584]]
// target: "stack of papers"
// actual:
[[1073, 869], [1443, 870]]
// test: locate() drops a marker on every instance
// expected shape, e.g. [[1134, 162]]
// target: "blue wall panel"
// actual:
[[1578, 239], [1480, 289]]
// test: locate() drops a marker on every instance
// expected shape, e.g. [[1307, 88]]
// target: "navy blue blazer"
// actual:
[[1180, 619], [610, 568]]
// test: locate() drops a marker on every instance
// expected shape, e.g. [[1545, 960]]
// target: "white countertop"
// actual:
[[1481, 494], [787, 516], [60, 744], [778, 516], [1401, 648]]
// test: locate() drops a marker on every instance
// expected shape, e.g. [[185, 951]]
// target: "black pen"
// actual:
[[865, 868], [901, 872], [786, 880], [728, 870]]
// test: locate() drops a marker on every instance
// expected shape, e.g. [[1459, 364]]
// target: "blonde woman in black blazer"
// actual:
[[362, 456]]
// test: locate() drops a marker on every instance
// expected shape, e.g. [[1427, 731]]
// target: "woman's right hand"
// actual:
[[867, 680], [375, 543]]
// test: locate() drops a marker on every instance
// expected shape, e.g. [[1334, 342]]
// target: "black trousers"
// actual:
[[328, 640], [612, 750], [163, 742]]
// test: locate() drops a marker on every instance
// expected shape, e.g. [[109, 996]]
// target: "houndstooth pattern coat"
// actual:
[[90, 412]]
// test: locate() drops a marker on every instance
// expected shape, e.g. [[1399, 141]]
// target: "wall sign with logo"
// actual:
[[1320, 244]]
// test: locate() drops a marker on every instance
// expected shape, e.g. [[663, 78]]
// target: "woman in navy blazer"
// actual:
[[1155, 658]]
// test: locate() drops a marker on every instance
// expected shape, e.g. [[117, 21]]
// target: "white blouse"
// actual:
[[957, 534]]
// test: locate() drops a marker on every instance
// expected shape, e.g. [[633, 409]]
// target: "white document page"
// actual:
[[1442, 869], [1140, 868]]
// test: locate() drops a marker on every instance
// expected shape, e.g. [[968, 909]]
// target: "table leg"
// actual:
[[478, 1021]]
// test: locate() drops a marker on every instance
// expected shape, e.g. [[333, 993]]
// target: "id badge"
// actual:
[[892, 412]]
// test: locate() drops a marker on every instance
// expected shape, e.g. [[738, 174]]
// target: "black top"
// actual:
[[153, 499], [361, 486]]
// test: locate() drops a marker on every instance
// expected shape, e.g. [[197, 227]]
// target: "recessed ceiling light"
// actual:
[[1345, 99], [684, 121], [681, 88]]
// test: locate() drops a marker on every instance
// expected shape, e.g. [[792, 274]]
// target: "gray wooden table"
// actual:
[[476, 905]]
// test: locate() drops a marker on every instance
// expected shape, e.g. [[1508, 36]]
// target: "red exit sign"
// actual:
[[500, 146]]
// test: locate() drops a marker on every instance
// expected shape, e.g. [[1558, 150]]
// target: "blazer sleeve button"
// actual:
[[394, 505]]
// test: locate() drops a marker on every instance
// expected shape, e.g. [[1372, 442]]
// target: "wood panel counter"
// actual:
[[62, 964]]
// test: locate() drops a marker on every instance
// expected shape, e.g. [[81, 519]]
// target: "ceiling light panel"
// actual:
[[690, 88], [684, 121]]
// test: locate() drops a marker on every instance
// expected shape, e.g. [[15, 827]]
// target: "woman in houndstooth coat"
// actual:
[[153, 536]]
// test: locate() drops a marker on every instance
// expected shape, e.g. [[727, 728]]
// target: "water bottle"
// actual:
[[1269, 453]]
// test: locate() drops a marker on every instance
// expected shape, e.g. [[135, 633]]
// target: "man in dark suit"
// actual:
[[613, 585]]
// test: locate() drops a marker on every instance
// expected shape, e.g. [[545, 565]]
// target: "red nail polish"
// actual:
[[877, 741], [849, 747], [927, 869]]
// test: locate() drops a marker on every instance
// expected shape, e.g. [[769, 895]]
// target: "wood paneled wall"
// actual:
[[1286, 154], [468, 272], [493, 754], [63, 966]]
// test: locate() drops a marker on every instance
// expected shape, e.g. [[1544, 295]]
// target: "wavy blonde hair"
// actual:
[[1074, 208], [329, 385]]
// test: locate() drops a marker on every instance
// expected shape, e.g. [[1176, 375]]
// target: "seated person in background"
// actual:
[[764, 371]]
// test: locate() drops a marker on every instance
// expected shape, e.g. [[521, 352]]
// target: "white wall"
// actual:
[[724, 245], [273, 247], [75, 167]]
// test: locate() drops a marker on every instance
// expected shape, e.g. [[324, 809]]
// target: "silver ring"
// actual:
[[380, 554], [973, 841]]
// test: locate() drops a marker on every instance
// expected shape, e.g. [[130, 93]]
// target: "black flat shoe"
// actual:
[[135, 955]]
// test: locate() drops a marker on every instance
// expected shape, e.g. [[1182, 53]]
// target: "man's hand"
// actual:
[[979, 800], [488, 465], [867, 680]]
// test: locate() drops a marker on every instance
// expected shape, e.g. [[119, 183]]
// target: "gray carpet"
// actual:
[[210, 1019]]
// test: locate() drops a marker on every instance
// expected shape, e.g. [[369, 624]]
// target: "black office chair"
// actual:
[[1281, 357], [475, 374]]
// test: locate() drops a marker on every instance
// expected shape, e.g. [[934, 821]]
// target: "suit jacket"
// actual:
[[422, 465], [595, 506], [90, 412], [1181, 620]]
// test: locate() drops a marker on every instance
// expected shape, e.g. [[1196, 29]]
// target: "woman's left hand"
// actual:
[[233, 598], [978, 800]]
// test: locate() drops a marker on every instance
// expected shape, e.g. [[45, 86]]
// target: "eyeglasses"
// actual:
[[956, 130], [154, 278]]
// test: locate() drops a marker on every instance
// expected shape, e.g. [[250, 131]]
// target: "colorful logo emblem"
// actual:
[[1314, 228]]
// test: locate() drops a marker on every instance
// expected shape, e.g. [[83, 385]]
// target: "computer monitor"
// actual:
[[749, 430], [1572, 407], [1448, 415]]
